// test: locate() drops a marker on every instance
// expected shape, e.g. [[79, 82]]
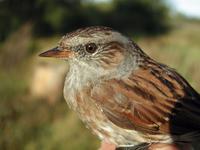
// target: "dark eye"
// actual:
[[91, 47]]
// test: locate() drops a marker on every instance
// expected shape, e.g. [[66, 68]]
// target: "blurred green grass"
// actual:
[[29, 123], [179, 49]]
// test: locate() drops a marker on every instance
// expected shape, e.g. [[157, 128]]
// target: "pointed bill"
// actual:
[[57, 53]]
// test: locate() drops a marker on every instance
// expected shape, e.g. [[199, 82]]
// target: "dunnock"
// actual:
[[122, 94]]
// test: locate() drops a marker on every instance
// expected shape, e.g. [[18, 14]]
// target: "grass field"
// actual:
[[32, 123]]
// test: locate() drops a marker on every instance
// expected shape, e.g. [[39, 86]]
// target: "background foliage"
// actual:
[[31, 120], [50, 17]]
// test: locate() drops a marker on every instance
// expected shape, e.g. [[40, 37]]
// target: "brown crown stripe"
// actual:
[[87, 30]]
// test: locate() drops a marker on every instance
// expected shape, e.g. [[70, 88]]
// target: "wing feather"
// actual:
[[152, 99]]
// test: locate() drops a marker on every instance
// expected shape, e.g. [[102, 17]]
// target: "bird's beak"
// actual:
[[57, 53]]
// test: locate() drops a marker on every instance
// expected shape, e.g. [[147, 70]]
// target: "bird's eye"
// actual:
[[91, 47]]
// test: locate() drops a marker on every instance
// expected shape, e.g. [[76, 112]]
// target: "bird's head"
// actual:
[[96, 47]]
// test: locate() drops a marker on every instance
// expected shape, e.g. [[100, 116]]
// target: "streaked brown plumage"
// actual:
[[123, 95]]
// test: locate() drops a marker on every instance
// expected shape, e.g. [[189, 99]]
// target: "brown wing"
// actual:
[[154, 99]]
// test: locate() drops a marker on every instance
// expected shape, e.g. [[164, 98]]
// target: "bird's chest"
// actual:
[[92, 115], [77, 93], [88, 111]]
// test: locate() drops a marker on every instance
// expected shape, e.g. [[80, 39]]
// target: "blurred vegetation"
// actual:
[[28, 122], [49, 17]]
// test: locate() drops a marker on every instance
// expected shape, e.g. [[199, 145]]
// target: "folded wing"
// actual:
[[153, 99]]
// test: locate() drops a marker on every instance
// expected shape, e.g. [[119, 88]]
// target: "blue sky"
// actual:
[[190, 8]]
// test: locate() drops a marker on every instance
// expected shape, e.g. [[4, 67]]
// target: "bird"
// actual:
[[122, 94]]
